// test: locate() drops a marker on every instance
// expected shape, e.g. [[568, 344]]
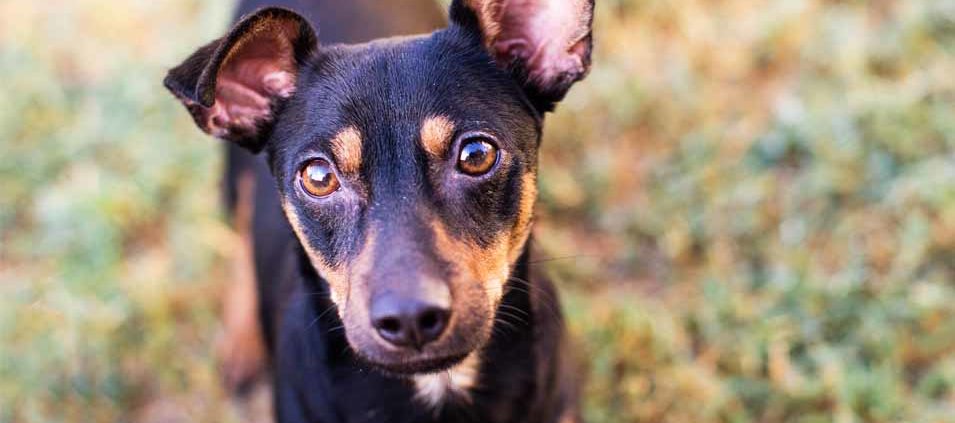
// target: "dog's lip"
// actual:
[[418, 366]]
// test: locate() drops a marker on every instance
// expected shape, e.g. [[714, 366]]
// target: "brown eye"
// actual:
[[318, 178], [477, 156]]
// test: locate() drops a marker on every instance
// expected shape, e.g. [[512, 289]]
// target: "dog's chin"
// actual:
[[411, 367]]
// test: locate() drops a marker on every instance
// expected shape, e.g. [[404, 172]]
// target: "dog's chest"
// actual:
[[454, 385]]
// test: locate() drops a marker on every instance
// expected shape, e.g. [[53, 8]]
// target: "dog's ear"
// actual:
[[233, 85], [546, 44]]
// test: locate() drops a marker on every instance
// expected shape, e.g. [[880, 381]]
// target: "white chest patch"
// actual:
[[453, 384]]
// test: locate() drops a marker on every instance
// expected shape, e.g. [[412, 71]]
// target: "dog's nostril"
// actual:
[[431, 322], [391, 328], [408, 323], [428, 320], [390, 325]]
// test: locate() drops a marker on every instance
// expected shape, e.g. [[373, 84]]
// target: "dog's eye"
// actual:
[[478, 155], [318, 178]]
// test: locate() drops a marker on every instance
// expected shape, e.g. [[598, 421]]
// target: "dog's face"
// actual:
[[407, 167], [412, 196]]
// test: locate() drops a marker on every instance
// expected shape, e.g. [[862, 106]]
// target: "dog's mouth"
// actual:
[[415, 366]]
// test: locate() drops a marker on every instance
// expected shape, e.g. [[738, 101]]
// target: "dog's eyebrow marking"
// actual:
[[436, 132], [346, 146]]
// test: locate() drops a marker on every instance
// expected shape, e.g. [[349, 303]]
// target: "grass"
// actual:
[[750, 209]]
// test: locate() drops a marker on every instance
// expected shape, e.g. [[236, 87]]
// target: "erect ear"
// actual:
[[545, 43], [233, 85]]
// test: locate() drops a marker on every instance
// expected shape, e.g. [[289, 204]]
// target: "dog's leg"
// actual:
[[241, 349]]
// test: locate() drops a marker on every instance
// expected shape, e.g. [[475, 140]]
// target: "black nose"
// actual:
[[408, 323]]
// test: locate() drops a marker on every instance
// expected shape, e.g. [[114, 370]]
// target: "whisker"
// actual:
[[549, 302], [497, 330], [518, 319], [319, 317], [552, 259], [508, 325], [517, 309]]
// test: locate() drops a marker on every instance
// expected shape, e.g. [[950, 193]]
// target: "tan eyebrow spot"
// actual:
[[436, 132], [346, 146]]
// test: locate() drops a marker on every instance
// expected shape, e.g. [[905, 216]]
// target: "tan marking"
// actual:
[[241, 349], [436, 132], [436, 388], [490, 266], [336, 277], [489, 16], [358, 275], [525, 215], [346, 146], [487, 266]]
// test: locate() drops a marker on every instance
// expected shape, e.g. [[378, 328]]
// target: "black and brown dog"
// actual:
[[406, 168]]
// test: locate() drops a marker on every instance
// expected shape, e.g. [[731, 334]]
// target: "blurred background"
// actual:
[[749, 206]]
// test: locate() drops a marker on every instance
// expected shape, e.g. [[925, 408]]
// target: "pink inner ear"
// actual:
[[257, 71], [547, 35]]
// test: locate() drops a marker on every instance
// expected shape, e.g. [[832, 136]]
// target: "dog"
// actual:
[[406, 168]]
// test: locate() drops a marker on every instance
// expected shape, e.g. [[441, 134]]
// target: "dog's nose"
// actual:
[[409, 323]]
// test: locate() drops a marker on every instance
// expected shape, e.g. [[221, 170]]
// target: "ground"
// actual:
[[750, 211]]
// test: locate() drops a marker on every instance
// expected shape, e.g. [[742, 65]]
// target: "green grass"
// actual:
[[750, 209]]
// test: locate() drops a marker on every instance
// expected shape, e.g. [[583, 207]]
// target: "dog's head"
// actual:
[[407, 167]]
